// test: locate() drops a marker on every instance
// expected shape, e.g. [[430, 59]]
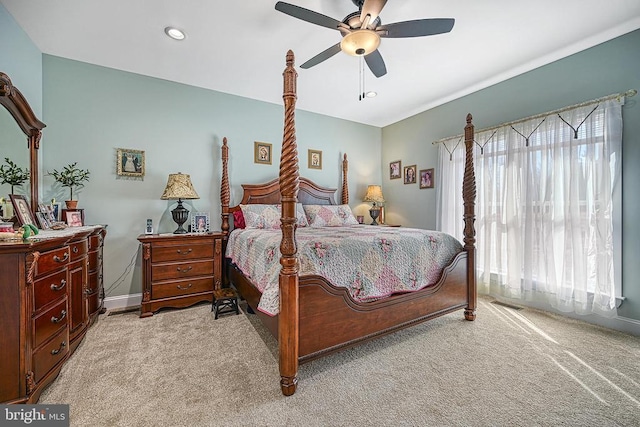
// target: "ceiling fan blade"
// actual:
[[376, 63], [371, 8], [322, 56], [308, 15], [417, 28]]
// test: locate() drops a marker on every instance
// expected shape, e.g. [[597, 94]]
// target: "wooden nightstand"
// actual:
[[179, 270]]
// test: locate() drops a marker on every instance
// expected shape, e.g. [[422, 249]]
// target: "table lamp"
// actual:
[[374, 194], [179, 187]]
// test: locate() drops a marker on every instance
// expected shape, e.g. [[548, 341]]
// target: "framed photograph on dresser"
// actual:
[[74, 218], [22, 210]]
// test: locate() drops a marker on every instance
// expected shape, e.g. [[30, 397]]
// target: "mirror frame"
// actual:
[[13, 100]]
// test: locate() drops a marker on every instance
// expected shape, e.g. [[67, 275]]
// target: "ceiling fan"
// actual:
[[361, 31]]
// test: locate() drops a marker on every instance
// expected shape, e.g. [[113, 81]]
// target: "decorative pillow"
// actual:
[[329, 215], [268, 216], [238, 219]]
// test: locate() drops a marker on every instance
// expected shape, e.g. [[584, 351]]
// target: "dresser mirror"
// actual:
[[20, 131]]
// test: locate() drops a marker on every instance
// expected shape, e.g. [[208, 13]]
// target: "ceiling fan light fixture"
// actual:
[[360, 42], [175, 33], [372, 94]]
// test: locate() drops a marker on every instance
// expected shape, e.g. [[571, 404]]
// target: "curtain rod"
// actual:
[[628, 94]]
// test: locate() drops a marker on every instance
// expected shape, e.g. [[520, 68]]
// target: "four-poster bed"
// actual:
[[315, 317]]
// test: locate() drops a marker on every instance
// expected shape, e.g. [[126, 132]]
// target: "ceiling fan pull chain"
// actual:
[[362, 71]]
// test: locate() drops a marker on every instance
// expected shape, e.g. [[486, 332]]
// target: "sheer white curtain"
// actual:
[[544, 209]]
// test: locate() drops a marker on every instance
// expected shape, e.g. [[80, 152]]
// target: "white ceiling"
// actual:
[[239, 47]]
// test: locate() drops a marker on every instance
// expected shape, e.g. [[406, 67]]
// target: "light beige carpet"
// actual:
[[508, 368]]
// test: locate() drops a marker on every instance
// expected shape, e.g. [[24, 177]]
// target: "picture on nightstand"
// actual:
[[200, 222]]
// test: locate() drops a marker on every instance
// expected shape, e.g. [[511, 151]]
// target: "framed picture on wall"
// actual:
[[129, 162], [410, 174], [262, 152], [427, 178], [395, 170], [315, 159]]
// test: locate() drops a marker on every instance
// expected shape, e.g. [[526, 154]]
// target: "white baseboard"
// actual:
[[123, 301], [618, 323]]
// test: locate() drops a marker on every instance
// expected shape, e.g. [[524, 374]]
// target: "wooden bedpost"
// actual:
[[469, 201], [288, 326], [224, 189], [345, 184]]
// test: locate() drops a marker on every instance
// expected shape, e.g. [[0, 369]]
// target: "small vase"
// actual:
[[71, 204]]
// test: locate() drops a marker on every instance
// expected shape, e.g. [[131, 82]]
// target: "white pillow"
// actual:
[[329, 215], [268, 216]]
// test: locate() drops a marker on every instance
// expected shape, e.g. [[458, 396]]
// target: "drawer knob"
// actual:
[[58, 350], [184, 288], [75, 249], [184, 270], [56, 258], [57, 288], [181, 252], [63, 314]]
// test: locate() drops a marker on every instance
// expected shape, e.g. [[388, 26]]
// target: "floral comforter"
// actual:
[[372, 262]]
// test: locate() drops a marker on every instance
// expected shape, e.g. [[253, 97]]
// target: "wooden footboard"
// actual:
[[316, 317], [325, 309]]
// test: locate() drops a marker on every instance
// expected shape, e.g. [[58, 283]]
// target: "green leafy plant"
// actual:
[[71, 176], [12, 174]]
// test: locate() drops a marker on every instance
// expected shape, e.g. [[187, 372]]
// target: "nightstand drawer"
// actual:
[[49, 288], [51, 354], [180, 253], [178, 288], [50, 322], [179, 270], [52, 260]]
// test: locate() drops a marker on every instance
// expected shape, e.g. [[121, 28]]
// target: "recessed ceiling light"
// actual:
[[175, 33], [372, 94]]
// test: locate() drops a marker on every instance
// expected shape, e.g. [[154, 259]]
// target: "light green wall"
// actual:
[[608, 68], [91, 111], [21, 60]]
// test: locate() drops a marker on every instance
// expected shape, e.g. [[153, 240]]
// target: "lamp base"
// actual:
[[374, 212], [180, 215]]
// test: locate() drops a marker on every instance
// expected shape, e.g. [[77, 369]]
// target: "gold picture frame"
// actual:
[[427, 178], [410, 173], [22, 210], [262, 152], [395, 169], [130, 162], [315, 159]]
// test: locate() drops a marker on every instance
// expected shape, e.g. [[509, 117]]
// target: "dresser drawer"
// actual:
[[49, 288], [52, 260], [179, 270], [51, 354], [95, 241], [180, 288], [181, 252], [93, 302], [78, 249], [95, 259], [49, 323]]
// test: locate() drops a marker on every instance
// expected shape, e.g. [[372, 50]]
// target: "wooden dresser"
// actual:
[[179, 270], [45, 307]]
